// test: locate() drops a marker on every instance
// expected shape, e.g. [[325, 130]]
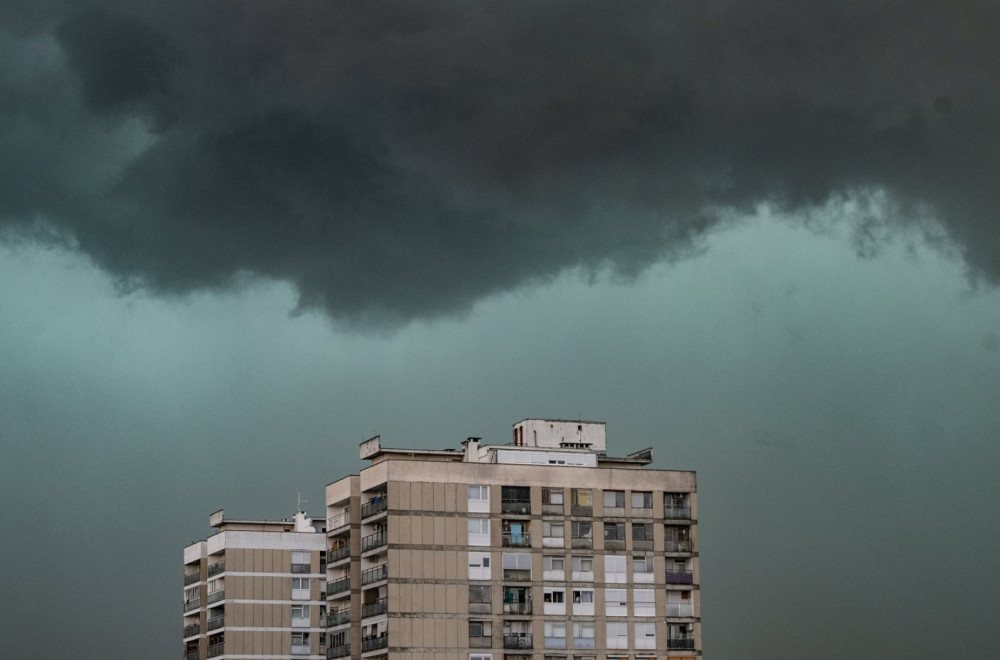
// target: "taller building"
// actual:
[[545, 548], [256, 589]]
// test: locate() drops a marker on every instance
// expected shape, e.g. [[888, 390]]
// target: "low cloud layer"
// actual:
[[400, 160]]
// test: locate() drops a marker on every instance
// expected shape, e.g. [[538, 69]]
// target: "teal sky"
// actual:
[[840, 411]]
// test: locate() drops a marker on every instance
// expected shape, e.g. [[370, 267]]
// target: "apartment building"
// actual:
[[544, 548], [256, 589]]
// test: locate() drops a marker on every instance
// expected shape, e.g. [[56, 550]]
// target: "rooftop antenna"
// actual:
[[301, 500]]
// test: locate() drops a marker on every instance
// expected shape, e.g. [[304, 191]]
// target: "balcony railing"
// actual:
[[517, 641], [373, 506], [338, 618], [680, 609], [370, 575], [680, 643], [192, 630], [583, 642], [677, 512], [380, 606], [216, 568], [677, 545], [192, 604], [675, 576], [516, 540], [522, 507], [341, 651], [335, 523], [215, 622], [216, 596], [191, 578], [336, 554], [517, 574], [191, 655], [216, 650], [301, 568], [481, 642], [522, 607], [373, 643], [336, 586], [372, 541]]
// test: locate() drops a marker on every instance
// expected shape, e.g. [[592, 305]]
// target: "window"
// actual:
[[614, 568], [300, 561], [479, 531], [300, 615], [553, 567], [679, 603], [516, 566], [480, 629], [480, 598], [614, 531], [642, 531], [480, 656], [645, 635], [555, 634], [479, 499], [583, 602], [581, 529], [581, 497], [583, 568], [617, 635], [614, 499], [642, 500], [554, 600], [642, 569], [583, 634], [300, 643], [553, 534], [643, 602], [300, 588], [615, 602], [552, 496], [479, 566]]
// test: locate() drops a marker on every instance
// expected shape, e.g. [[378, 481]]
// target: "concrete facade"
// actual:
[[545, 548], [256, 589]]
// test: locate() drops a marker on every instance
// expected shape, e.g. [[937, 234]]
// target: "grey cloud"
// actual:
[[402, 160]]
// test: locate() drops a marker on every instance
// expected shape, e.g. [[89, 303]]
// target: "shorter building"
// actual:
[[256, 589]]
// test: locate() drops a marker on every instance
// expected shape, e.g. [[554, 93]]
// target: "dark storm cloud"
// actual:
[[398, 160]]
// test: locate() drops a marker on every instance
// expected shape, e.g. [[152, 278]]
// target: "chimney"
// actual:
[[471, 445]]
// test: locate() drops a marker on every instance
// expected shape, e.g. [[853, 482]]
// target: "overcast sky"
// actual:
[[236, 239]]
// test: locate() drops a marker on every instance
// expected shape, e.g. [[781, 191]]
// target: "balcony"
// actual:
[[216, 596], [680, 643], [374, 643], [341, 651], [678, 576], [334, 587], [216, 568], [301, 568], [516, 540], [480, 642], [380, 606], [300, 649], [680, 610], [522, 607], [338, 618], [516, 506], [338, 522], [215, 622], [555, 642], [191, 578], [376, 574], [373, 541], [583, 642], [517, 574], [677, 512], [677, 545], [517, 641], [374, 506], [191, 655], [192, 630], [216, 650], [334, 555], [192, 604]]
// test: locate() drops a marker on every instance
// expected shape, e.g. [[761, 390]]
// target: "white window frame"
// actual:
[[553, 534], [615, 569], [478, 498], [643, 602], [583, 602], [616, 602], [644, 634], [580, 562], [615, 495], [477, 536], [553, 567], [617, 634]]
